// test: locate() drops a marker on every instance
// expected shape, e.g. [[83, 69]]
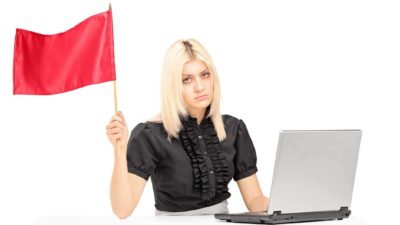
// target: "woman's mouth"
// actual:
[[201, 97]]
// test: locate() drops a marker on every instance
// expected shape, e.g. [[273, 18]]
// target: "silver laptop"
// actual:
[[313, 178]]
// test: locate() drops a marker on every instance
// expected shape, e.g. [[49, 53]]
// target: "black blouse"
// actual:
[[193, 171]]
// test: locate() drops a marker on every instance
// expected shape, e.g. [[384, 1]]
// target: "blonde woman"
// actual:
[[190, 151]]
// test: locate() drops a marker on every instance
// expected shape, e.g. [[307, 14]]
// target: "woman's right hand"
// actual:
[[125, 188], [117, 130]]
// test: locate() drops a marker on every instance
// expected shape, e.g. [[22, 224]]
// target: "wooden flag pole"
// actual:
[[115, 99], [115, 82]]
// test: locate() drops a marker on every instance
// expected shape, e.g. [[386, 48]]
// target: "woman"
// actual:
[[190, 151]]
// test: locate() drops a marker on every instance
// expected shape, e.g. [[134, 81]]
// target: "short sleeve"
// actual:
[[245, 160], [141, 151]]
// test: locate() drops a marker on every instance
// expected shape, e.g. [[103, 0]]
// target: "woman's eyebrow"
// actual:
[[206, 70]]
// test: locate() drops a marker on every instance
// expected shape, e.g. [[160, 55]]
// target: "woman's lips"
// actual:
[[202, 97]]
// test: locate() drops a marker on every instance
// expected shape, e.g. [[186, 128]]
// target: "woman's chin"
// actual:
[[202, 105]]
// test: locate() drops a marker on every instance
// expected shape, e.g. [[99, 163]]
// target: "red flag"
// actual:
[[51, 64]]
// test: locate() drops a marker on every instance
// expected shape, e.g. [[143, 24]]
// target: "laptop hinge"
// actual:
[[342, 209], [277, 213]]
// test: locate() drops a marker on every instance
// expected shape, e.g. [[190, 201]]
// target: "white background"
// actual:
[[282, 64]]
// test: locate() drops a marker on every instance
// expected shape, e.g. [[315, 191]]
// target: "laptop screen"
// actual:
[[314, 170]]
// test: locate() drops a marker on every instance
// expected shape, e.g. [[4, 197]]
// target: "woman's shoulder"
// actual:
[[151, 122], [150, 126], [231, 121]]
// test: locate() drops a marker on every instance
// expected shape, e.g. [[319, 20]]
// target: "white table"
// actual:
[[163, 220]]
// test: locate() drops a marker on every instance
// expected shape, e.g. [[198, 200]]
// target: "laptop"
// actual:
[[313, 178]]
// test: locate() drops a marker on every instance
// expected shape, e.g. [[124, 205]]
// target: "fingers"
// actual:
[[116, 124], [115, 120], [118, 132], [115, 130], [118, 117]]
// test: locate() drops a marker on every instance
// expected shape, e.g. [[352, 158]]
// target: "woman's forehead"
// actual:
[[194, 67]]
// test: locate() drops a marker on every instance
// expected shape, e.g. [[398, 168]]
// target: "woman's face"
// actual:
[[197, 82]]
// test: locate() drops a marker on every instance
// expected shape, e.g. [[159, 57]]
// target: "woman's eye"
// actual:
[[206, 74], [186, 80]]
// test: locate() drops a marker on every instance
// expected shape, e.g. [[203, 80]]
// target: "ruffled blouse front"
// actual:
[[193, 171], [210, 168]]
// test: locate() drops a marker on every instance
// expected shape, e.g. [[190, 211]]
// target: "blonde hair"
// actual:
[[172, 103]]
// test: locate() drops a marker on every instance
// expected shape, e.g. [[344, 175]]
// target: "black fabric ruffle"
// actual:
[[219, 162], [190, 142]]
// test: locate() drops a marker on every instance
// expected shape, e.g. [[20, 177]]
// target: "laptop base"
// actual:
[[279, 218]]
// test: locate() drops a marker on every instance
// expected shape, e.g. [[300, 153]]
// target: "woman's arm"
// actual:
[[126, 189], [252, 194]]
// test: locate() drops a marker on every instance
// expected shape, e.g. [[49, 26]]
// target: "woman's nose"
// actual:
[[199, 85]]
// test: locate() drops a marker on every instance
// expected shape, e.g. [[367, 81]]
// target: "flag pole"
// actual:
[[115, 97], [115, 81]]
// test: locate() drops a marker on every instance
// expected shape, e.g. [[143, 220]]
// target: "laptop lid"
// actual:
[[314, 170]]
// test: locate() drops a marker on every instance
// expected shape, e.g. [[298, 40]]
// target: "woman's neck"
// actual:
[[198, 114]]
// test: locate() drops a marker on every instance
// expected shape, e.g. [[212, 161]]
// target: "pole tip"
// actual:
[[109, 6]]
